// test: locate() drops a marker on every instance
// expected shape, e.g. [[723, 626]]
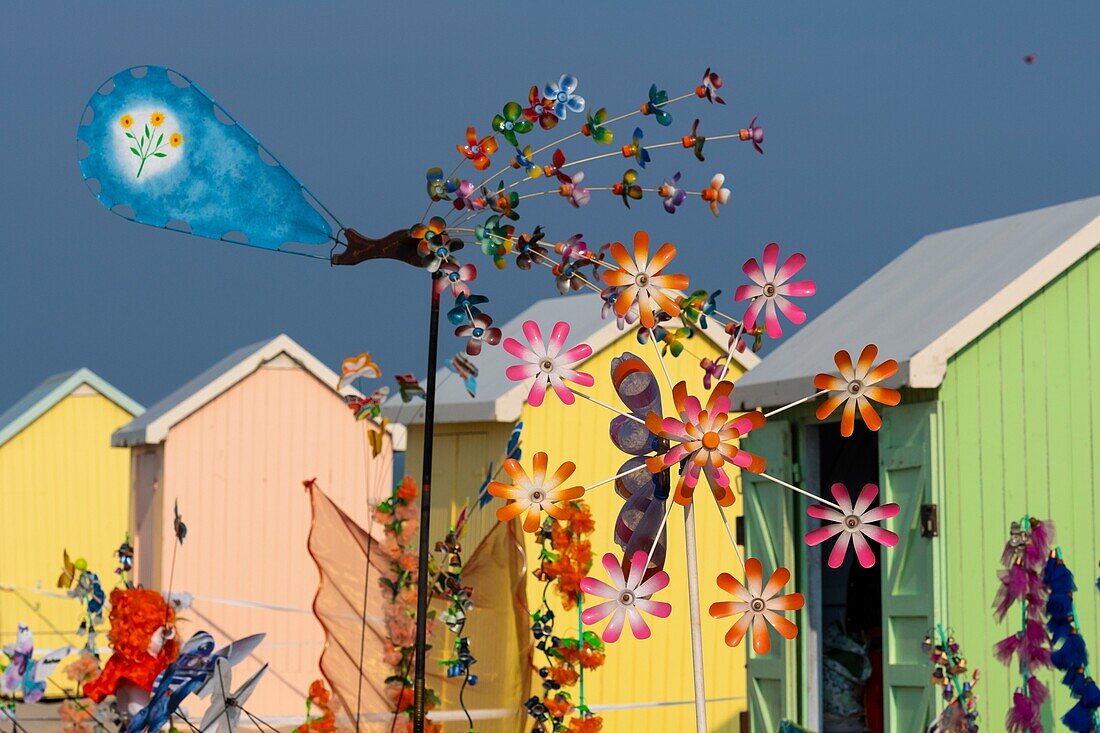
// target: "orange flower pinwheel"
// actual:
[[757, 606], [855, 388], [704, 439], [640, 279], [478, 151], [532, 495]]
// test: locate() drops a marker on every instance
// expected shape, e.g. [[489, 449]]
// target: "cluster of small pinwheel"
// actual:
[[570, 262]]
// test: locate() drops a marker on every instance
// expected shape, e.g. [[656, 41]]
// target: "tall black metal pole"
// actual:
[[420, 661]]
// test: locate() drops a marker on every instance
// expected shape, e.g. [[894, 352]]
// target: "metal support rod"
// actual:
[[696, 623], [420, 660]]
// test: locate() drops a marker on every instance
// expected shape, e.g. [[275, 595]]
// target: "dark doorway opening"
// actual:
[[851, 597]]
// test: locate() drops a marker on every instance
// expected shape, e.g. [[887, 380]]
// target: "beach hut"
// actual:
[[64, 487], [644, 686], [995, 329], [232, 447]]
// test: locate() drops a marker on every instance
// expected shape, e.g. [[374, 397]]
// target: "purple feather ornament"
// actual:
[[1020, 715], [1014, 587], [1006, 647]]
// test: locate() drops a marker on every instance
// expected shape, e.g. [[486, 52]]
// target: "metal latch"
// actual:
[[929, 520]]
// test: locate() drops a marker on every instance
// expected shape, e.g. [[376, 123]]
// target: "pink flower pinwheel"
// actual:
[[853, 524], [455, 277], [704, 439], [641, 280], [771, 290], [481, 329], [547, 363], [757, 606], [628, 596], [855, 388]]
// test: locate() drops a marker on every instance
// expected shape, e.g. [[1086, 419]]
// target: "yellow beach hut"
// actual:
[[63, 487], [644, 687]]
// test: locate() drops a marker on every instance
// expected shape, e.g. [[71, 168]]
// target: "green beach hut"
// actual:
[[996, 327]]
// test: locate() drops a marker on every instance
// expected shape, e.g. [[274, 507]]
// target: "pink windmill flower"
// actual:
[[705, 440], [456, 277], [534, 494], [855, 389], [641, 280], [757, 606], [547, 363], [628, 597], [771, 290], [479, 330], [853, 524]]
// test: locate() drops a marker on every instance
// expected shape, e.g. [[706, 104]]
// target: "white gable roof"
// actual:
[[152, 427], [932, 300]]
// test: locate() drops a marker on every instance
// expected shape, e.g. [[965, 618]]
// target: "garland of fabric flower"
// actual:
[[565, 557], [1072, 656], [448, 584], [960, 715], [320, 718], [1021, 580], [399, 517]]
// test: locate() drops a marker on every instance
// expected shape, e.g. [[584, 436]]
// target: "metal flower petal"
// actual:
[[853, 524], [628, 596], [856, 388], [757, 606], [770, 291], [642, 281], [534, 494], [548, 363]]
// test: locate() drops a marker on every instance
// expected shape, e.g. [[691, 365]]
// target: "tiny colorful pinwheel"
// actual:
[[771, 290], [435, 246], [658, 98], [671, 195], [708, 89], [628, 597], [465, 308], [704, 439], [531, 495], [547, 363], [562, 96], [753, 132], [553, 168], [479, 330], [757, 606], [456, 277], [438, 188], [641, 280], [576, 194], [628, 188], [510, 122], [478, 151], [594, 128], [522, 159], [853, 524], [715, 194], [855, 388], [694, 141], [635, 150], [540, 110]]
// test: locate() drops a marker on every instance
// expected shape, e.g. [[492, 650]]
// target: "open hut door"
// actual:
[[909, 455], [769, 536]]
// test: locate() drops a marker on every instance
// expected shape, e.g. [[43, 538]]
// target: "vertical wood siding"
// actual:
[[659, 668], [63, 486], [236, 466], [1021, 408]]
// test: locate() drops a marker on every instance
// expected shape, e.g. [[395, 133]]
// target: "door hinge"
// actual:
[[739, 529], [929, 520]]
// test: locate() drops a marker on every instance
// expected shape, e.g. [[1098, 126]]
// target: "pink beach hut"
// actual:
[[232, 447]]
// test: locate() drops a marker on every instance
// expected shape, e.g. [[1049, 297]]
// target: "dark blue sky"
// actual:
[[884, 122]]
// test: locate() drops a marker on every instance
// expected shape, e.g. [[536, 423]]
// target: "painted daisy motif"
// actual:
[[770, 290], [855, 388], [628, 597], [757, 605], [640, 279], [853, 524], [547, 363], [704, 438], [532, 495]]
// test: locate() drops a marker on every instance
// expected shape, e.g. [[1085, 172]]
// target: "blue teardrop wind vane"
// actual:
[[162, 152]]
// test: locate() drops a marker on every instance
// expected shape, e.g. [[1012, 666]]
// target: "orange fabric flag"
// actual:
[[340, 548]]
